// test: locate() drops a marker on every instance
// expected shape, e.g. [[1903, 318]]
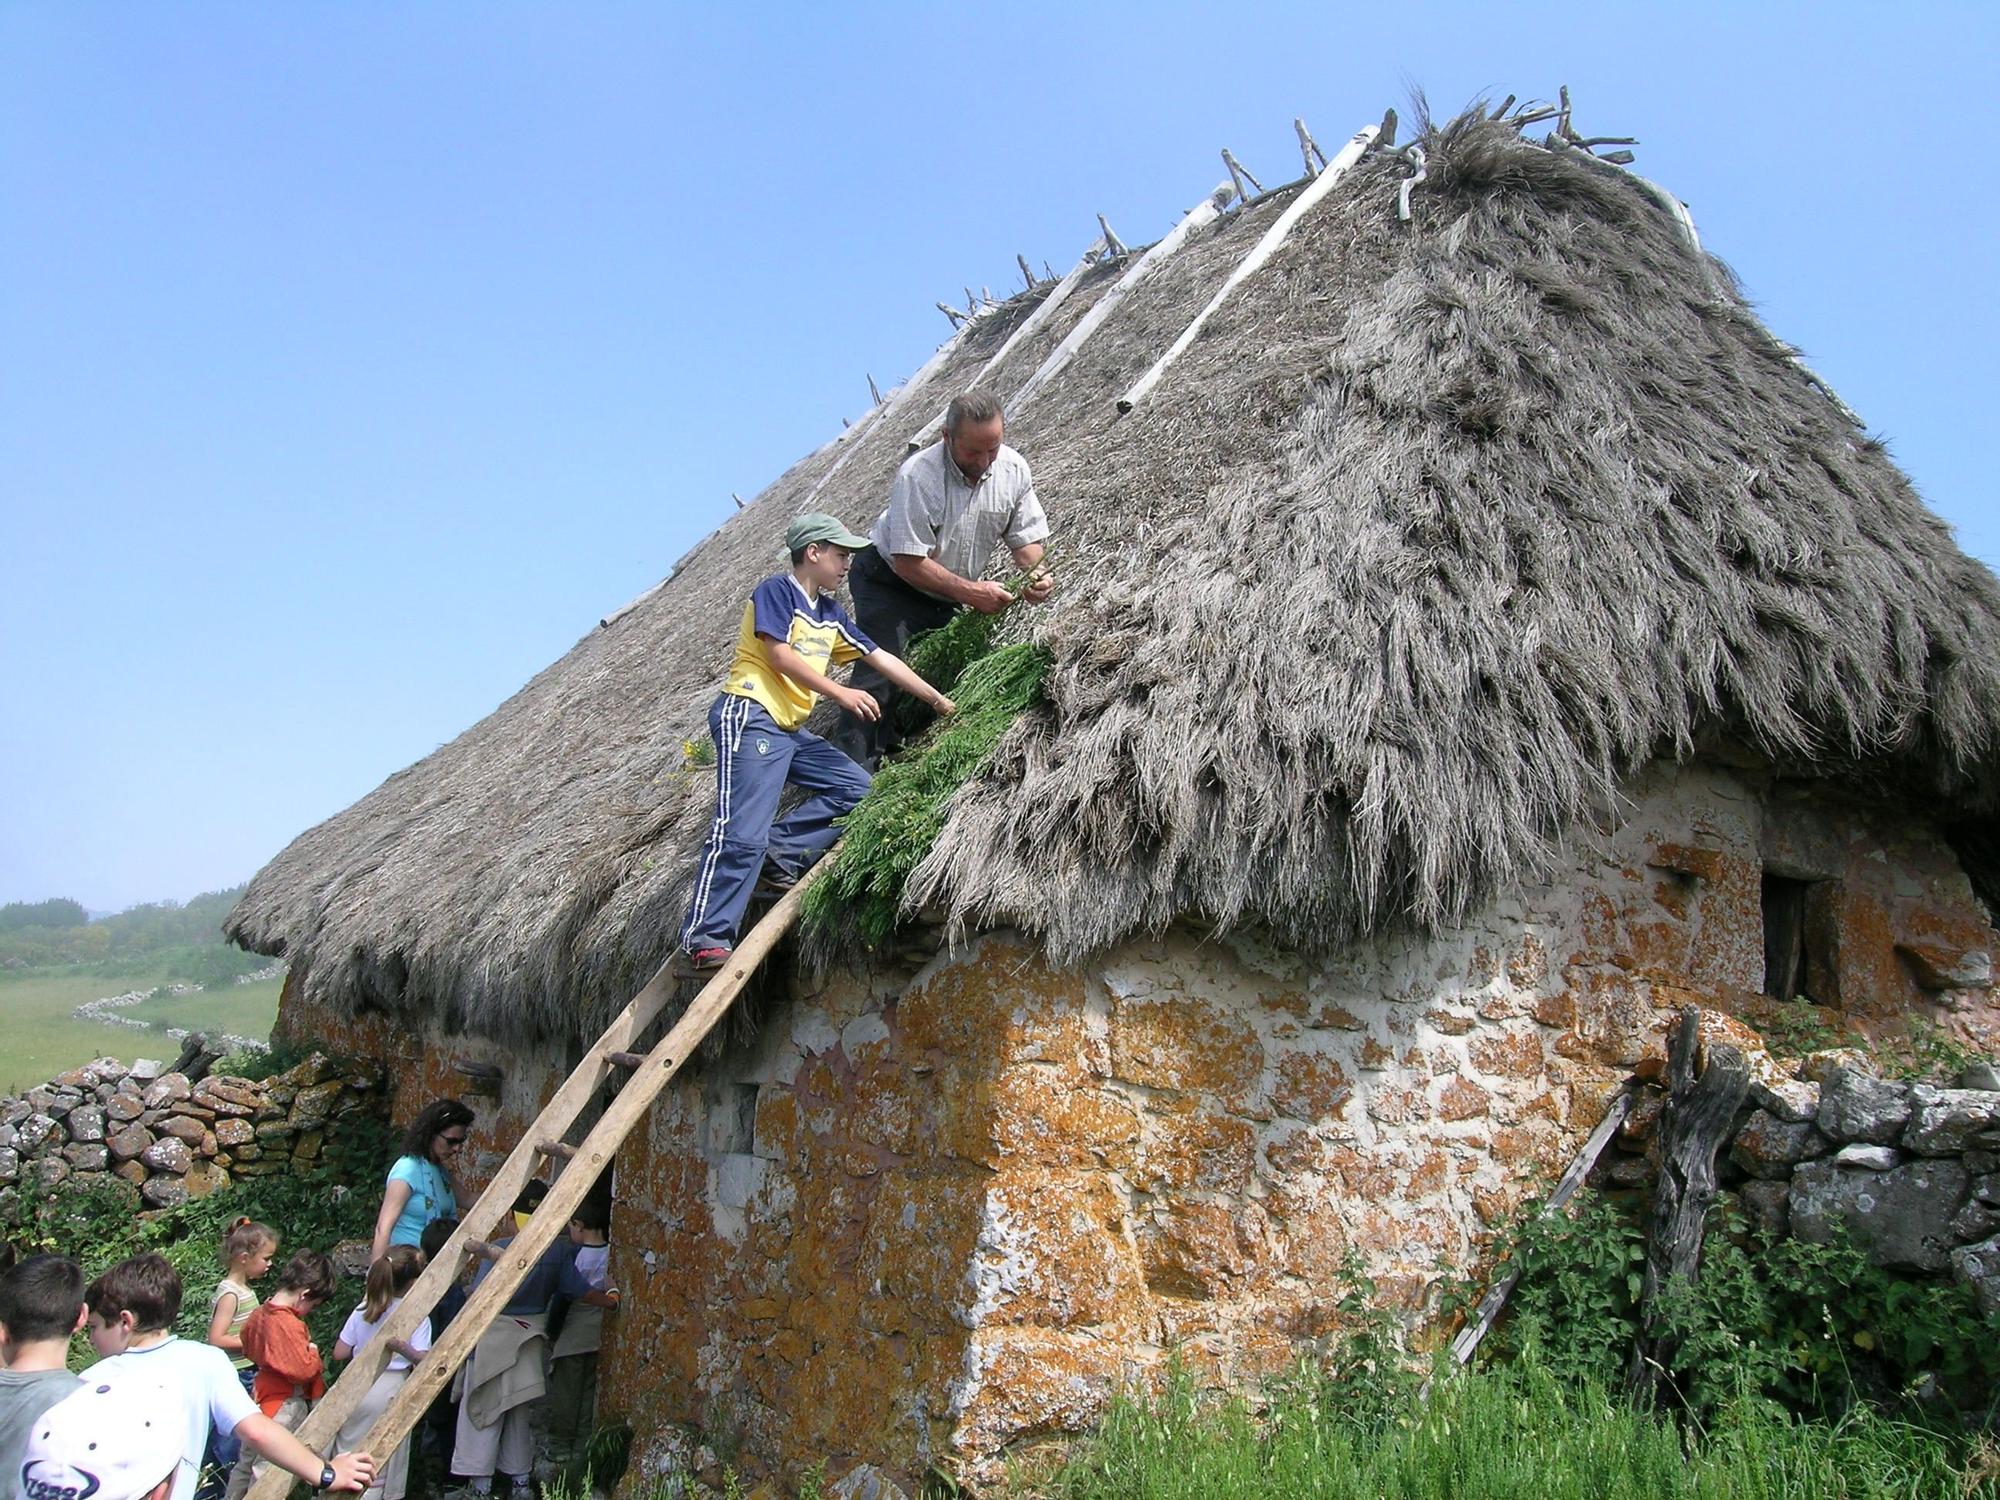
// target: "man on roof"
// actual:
[[949, 507], [794, 632]]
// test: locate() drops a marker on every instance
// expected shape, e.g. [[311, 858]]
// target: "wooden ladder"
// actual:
[[491, 1216]]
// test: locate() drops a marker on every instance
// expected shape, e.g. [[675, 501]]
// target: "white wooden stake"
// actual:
[[1265, 248], [1198, 218], [927, 434], [884, 413], [1309, 149]]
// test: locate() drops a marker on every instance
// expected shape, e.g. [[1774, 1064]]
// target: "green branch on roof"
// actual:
[[861, 895]]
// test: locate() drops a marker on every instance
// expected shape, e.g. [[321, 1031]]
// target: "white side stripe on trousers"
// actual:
[[735, 718]]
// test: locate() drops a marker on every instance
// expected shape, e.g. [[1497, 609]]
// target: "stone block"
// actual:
[[1975, 1221], [1867, 1158], [86, 1124], [1791, 1101], [1900, 1217], [14, 1111], [1937, 965], [1944, 1122], [166, 1089], [10, 1138], [47, 1172], [1978, 1075], [182, 1128], [313, 1106], [1978, 1266], [131, 1171], [1769, 1147], [35, 1132], [205, 1177], [168, 1154], [866, 1482], [231, 1133], [130, 1142], [106, 1070], [275, 1133], [1819, 1067], [1767, 1205], [145, 1069], [314, 1070], [124, 1108], [1854, 1106], [10, 1164], [307, 1147], [1986, 1186], [164, 1192], [86, 1158], [264, 1166], [351, 1256]]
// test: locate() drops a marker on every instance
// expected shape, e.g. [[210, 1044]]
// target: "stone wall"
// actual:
[[1911, 1172], [173, 1139], [936, 1213]]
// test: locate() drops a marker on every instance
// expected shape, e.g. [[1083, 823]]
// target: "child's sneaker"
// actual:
[[703, 960], [775, 879]]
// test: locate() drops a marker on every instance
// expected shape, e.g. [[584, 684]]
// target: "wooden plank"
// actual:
[[551, 1219], [483, 1221], [1198, 218], [1488, 1311], [924, 436], [1265, 248]]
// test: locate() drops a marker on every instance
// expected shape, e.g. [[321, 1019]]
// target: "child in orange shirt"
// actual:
[[290, 1373]]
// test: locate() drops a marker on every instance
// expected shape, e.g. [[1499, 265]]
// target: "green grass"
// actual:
[[1514, 1433], [895, 825], [41, 1038]]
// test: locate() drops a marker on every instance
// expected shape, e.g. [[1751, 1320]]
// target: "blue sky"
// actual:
[[354, 358]]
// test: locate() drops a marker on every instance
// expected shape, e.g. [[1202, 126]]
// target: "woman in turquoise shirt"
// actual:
[[420, 1187]]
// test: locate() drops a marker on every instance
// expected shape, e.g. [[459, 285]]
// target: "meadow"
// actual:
[[39, 1038]]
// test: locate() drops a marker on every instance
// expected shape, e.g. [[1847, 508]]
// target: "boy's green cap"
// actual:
[[819, 527]]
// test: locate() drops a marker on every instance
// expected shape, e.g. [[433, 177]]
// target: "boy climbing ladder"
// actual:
[[794, 632]]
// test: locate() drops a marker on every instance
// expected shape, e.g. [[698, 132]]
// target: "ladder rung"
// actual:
[[562, 1150], [625, 1059]]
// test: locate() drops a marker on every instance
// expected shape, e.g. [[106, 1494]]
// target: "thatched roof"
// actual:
[[1440, 530]]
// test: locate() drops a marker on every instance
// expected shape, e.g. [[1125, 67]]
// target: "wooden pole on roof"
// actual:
[[1240, 174], [1263, 251], [1027, 274], [1309, 149], [1198, 218], [926, 434]]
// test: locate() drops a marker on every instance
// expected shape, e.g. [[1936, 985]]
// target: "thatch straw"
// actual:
[[1441, 530]]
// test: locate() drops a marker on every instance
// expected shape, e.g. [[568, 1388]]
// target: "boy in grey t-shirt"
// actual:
[[41, 1305]]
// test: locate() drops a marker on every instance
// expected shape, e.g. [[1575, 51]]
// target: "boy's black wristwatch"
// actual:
[[325, 1476]]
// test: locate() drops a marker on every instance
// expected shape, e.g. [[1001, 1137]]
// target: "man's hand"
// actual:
[[1041, 584], [987, 598], [352, 1472], [862, 705]]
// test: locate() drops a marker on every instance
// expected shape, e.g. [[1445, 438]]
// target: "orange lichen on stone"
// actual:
[[1309, 1086], [1185, 1045]]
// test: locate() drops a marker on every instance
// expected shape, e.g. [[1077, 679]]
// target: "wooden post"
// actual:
[[1240, 173], [874, 392], [1198, 218], [1265, 248], [1693, 1127], [1112, 244], [927, 434]]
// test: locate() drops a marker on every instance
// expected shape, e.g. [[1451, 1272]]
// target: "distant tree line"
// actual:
[[178, 941]]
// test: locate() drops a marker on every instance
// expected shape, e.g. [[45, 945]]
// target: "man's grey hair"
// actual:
[[971, 406]]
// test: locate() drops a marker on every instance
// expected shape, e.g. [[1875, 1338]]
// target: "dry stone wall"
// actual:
[[174, 1139], [1909, 1171]]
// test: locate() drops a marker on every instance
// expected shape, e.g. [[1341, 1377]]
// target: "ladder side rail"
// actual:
[[431, 1374], [322, 1425]]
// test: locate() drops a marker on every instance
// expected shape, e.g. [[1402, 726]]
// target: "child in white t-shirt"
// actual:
[[393, 1274], [132, 1311], [574, 1342]]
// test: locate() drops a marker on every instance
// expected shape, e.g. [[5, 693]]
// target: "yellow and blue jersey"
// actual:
[[819, 630]]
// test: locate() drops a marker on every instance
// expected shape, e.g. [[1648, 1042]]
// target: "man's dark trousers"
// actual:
[[889, 613]]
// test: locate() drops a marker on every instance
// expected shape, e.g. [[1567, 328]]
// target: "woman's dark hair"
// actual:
[[437, 1117]]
